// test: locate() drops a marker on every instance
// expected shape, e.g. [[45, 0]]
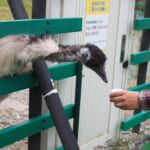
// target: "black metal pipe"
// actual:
[[55, 106], [35, 109], [77, 100], [35, 95], [38, 8], [145, 43], [17, 9]]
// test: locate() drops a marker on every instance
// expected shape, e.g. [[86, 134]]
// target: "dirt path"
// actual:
[[12, 111]]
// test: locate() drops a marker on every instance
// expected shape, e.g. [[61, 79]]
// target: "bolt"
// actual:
[[44, 120], [47, 22]]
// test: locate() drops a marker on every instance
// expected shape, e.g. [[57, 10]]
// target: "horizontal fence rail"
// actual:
[[134, 120], [30, 127], [144, 86], [139, 12], [27, 80], [140, 57], [142, 24], [140, 5], [140, 9], [146, 146], [40, 26]]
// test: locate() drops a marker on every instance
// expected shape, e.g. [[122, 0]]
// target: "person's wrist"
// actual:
[[140, 99]]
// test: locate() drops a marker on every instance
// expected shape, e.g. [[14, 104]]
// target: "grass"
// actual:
[[5, 13], [3, 3], [119, 144]]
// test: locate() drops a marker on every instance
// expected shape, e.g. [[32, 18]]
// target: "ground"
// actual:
[[14, 110]]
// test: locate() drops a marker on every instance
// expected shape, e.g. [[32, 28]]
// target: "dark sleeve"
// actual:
[[144, 99]]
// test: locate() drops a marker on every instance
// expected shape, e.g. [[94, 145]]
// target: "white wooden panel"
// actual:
[[48, 136], [92, 144], [125, 24], [67, 87], [99, 120], [53, 8], [94, 108]]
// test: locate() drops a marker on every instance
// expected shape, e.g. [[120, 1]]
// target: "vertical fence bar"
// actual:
[[38, 8], [77, 100], [143, 67], [35, 104]]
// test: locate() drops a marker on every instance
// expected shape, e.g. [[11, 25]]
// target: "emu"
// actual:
[[17, 52]]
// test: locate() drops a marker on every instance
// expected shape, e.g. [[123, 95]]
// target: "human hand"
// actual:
[[127, 100]]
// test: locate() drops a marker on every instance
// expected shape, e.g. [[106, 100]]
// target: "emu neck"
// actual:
[[66, 53]]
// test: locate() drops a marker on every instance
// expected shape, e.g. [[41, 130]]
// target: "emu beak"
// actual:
[[101, 72], [103, 75]]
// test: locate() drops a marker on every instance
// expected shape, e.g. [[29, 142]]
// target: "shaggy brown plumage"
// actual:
[[17, 52]]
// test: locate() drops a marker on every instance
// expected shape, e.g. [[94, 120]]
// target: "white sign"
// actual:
[[97, 12]]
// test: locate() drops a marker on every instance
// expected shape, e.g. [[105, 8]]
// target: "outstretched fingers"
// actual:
[[126, 100]]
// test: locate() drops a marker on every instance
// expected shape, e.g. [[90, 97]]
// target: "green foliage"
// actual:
[[119, 144], [3, 3], [5, 13], [28, 6]]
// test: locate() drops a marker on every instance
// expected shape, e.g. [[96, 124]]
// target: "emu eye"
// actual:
[[85, 55]]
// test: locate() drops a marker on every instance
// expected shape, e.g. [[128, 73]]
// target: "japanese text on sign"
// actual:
[[97, 6]]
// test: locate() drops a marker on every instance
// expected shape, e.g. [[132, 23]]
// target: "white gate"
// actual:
[[111, 23]]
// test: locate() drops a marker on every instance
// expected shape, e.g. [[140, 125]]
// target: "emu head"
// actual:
[[95, 59]]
